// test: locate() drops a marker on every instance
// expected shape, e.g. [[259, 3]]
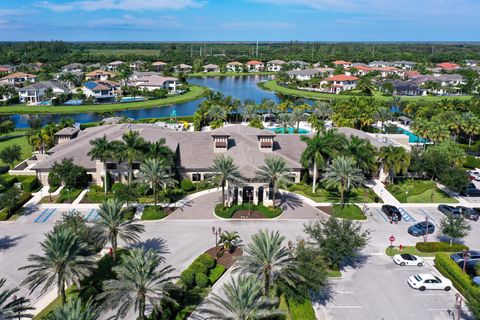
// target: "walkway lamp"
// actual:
[[216, 232]]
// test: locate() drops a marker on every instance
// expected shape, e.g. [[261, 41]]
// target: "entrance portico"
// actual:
[[255, 192]]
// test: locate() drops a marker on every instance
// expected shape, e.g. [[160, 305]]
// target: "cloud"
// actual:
[[129, 21], [255, 25], [136, 5]]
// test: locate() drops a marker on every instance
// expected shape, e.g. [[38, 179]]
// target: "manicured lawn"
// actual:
[[96, 195], [349, 212], [151, 214], [419, 191], [273, 86], [64, 196], [195, 93], [18, 137], [228, 74], [412, 250], [334, 273], [267, 212], [357, 195]]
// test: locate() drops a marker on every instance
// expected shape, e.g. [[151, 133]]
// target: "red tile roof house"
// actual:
[[345, 64], [99, 75], [341, 83], [19, 78], [255, 66], [448, 65]]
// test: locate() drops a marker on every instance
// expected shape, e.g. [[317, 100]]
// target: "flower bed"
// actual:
[[251, 211]]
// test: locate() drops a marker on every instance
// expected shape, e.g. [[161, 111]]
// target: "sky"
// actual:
[[240, 20]]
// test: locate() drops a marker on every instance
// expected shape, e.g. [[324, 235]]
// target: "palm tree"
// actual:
[[276, 173], [241, 300], [134, 147], [285, 120], [394, 160], [160, 150], [69, 78], [224, 170], [11, 307], [269, 106], [384, 114], [364, 154], [66, 259], [229, 240], [11, 154], [470, 125], [217, 113], [267, 259], [74, 309], [139, 280], [156, 173], [365, 86], [320, 149], [101, 150], [250, 112], [298, 115], [111, 225], [49, 94], [343, 174]]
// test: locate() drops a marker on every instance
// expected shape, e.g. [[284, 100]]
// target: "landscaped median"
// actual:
[[196, 92], [247, 211], [419, 191], [461, 281], [348, 211], [426, 249]]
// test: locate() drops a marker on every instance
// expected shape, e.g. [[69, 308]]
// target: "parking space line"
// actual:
[[430, 217], [380, 214], [49, 215], [40, 216], [88, 215], [406, 216], [432, 294]]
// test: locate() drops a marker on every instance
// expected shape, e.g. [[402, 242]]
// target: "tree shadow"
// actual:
[[356, 262], [8, 242], [10, 137], [30, 209], [324, 295], [158, 245], [290, 201], [444, 238]]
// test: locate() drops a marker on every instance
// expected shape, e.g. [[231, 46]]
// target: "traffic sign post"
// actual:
[[391, 239]]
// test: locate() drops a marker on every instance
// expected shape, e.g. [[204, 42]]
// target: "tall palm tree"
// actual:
[[298, 115], [343, 174], [69, 78], [276, 173], [217, 113], [321, 147], [250, 112], [66, 259], [74, 309], [384, 114], [269, 106], [364, 154], [156, 173], [241, 299], [394, 160], [111, 225], [285, 120], [470, 125], [140, 279], [160, 150], [223, 171], [101, 150], [267, 259], [13, 308], [134, 147]]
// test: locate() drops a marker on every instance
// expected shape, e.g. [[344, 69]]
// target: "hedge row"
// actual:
[[460, 280], [196, 275], [29, 183], [24, 197], [440, 247]]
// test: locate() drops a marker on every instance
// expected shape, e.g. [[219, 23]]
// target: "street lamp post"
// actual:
[[426, 229], [216, 232]]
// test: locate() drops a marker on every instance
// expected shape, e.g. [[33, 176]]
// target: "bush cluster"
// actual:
[[461, 281], [187, 185], [24, 197], [198, 273], [440, 247], [30, 183]]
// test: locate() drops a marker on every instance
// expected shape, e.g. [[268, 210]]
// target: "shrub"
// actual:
[[201, 280], [206, 260], [30, 183], [117, 186], [301, 310], [187, 185], [198, 267], [216, 273], [440, 247], [4, 214], [151, 214], [22, 199], [460, 280], [471, 162], [187, 277], [54, 180], [8, 180]]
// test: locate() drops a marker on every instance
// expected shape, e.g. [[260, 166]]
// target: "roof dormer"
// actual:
[[220, 141], [265, 141]]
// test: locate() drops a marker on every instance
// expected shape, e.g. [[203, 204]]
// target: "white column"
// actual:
[[240, 195], [255, 195]]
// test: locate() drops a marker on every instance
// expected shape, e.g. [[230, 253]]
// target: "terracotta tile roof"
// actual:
[[339, 62], [99, 72], [254, 62], [447, 65], [342, 77], [19, 75], [234, 63]]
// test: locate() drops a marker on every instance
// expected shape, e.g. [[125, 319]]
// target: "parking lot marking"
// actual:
[[380, 214], [41, 215], [88, 215], [48, 215], [406, 216], [430, 217], [433, 294]]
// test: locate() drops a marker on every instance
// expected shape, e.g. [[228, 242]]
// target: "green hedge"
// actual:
[[8, 180], [216, 273], [228, 212], [187, 185], [301, 310], [84, 126], [460, 280], [151, 214], [440, 247], [24, 197], [471, 162], [30, 183], [187, 277], [201, 280]]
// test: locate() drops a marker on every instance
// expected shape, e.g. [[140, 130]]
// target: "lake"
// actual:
[[240, 87]]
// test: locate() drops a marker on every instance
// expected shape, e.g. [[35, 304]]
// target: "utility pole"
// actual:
[[191, 50], [256, 53]]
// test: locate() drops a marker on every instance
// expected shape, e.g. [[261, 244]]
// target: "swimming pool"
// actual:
[[45, 103], [411, 137], [132, 99], [289, 130]]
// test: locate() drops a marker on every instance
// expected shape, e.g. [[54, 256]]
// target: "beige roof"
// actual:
[[159, 63], [19, 75], [234, 63], [153, 81], [68, 131], [99, 72]]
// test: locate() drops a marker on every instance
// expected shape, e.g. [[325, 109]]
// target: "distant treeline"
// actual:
[[58, 52]]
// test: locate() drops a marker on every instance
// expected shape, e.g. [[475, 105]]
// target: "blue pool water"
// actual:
[[289, 130], [132, 99], [411, 137], [45, 103]]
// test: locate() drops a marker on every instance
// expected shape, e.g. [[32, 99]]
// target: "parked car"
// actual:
[[472, 256], [475, 175], [449, 210], [470, 192], [392, 212], [407, 259], [468, 213], [428, 281], [421, 228]]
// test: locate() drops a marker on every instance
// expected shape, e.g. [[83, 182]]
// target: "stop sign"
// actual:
[[391, 238]]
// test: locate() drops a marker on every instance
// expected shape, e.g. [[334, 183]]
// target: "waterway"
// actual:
[[240, 87]]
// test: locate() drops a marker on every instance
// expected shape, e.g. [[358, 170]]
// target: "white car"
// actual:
[[429, 281], [407, 259]]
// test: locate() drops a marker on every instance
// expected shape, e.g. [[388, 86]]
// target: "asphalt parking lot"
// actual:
[[379, 290]]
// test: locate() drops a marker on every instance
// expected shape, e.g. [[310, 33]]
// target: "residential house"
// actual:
[[255, 66], [139, 74], [154, 82], [412, 74], [405, 88], [342, 63], [447, 83], [305, 74], [137, 65], [297, 64], [113, 66], [183, 68], [159, 66], [471, 63], [6, 69], [78, 75], [72, 67], [339, 83], [275, 65], [211, 68], [405, 65], [18, 78], [448, 66], [35, 93], [380, 64], [99, 75], [234, 66], [102, 91]]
